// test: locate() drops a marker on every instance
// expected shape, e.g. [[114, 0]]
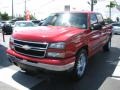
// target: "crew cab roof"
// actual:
[[87, 12]]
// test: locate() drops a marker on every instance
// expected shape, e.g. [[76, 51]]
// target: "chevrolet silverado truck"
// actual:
[[63, 43]]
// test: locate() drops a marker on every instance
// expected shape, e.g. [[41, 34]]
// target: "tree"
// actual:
[[4, 16], [110, 6]]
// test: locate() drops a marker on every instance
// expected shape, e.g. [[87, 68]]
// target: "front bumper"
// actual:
[[28, 63]]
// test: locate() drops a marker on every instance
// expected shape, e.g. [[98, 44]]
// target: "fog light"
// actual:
[[57, 55]]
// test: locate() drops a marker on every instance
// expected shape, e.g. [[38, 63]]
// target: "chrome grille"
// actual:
[[33, 49], [32, 44]]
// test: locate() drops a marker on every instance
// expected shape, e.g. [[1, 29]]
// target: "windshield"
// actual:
[[67, 19], [24, 24]]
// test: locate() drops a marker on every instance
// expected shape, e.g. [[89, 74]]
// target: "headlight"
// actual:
[[59, 45], [56, 54]]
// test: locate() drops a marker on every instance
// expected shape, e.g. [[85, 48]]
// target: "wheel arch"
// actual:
[[83, 47]]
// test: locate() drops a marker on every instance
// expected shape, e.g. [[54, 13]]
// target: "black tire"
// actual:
[[80, 65], [107, 46]]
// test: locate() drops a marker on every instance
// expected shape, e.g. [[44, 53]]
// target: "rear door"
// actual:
[[104, 35], [94, 36]]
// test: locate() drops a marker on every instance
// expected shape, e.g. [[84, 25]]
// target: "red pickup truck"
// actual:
[[63, 43]]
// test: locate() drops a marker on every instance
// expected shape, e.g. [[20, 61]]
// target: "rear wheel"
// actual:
[[80, 65], [107, 46]]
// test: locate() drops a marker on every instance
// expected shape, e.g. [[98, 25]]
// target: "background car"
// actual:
[[116, 28], [1, 25], [36, 22], [21, 25], [7, 28]]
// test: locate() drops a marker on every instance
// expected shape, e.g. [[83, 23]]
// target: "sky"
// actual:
[[41, 8]]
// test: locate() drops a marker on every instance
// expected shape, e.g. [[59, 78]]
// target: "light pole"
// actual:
[[91, 5], [12, 10], [25, 8]]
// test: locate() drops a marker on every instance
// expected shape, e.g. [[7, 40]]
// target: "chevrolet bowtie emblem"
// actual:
[[26, 47]]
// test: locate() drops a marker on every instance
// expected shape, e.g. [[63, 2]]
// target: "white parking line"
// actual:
[[116, 72], [18, 80]]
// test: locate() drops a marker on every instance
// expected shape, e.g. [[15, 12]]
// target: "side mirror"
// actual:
[[103, 23], [96, 27]]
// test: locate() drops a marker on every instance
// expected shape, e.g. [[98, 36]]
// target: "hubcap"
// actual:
[[81, 64]]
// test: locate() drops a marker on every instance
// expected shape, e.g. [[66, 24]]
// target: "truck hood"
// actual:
[[47, 33]]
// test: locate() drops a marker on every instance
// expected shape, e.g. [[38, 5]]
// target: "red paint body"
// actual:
[[74, 38]]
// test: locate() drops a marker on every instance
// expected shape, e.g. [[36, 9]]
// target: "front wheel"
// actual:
[[80, 64]]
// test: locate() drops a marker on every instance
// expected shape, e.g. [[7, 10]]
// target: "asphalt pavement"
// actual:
[[103, 73]]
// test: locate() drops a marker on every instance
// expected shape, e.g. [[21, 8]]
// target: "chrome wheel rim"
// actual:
[[81, 64], [109, 44]]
